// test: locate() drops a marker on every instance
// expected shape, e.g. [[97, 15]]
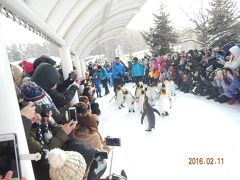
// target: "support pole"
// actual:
[[67, 67], [77, 64], [10, 117], [83, 67]]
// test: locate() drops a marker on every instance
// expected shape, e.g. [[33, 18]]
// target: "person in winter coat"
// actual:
[[234, 62], [17, 73], [118, 71], [234, 80], [87, 131], [47, 77], [102, 73], [109, 74], [137, 71], [97, 83], [30, 91], [88, 92], [223, 83], [37, 143]]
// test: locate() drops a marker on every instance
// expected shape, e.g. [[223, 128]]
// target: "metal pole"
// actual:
[[110, 171]]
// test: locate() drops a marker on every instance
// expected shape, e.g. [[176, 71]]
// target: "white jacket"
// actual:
[[235, 63]]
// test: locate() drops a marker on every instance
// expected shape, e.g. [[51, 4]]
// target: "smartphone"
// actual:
[[113, 141], [102, 155], [9, 156], [72, 113]]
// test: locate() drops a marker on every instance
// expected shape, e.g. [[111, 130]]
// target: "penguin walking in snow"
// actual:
[[159, 86], [164, 102], [148, 111], [138, 90], [152, 95], [141, 101], [172, 88], [120, 97], [129, 99]]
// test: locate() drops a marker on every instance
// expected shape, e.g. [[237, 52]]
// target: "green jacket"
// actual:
[[58, 140]]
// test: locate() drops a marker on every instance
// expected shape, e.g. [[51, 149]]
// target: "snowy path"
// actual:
[[196, 128]]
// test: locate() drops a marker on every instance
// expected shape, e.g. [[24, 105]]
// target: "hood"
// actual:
[[235, 50], [46, 76], [86, 137]]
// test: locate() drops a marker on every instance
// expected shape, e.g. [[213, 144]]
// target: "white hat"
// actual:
[[66, 165]]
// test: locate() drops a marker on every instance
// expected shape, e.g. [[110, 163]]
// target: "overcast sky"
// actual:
[[144, 19]]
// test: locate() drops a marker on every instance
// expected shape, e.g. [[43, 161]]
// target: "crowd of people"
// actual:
[[70, 148], [44, 98], [214, 72]]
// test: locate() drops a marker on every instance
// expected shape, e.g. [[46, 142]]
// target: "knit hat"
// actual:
[[30, 91], [46, 76], [17, 73], [135, 59], [27, 67], [44, 59], [66, 165]]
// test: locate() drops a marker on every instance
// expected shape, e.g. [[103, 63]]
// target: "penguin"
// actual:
[[152, 95], [129, 99], [148, 111], [138, 90], [141, 101], [159, 86], [164, 102], [120, 97], [172, 88]]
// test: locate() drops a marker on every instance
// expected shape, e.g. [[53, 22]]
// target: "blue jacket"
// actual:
[[102, 74], [118, 70], [235, 83], [137, 70]]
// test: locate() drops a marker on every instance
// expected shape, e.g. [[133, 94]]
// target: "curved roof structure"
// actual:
[[80, 25]]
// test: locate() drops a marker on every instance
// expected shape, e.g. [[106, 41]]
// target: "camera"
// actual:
[[72, 114], [113, 141], [102, 155], [9, 156]]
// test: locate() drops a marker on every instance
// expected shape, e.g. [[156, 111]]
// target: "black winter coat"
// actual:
[[47, 76]]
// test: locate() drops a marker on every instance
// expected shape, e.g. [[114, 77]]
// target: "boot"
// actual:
[[107, 91], [123, 174]]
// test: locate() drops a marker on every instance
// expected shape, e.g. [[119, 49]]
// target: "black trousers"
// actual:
[[137, 79], [105, 85], [117, 82]]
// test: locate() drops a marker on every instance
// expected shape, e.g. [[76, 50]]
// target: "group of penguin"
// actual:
[[146, 98]]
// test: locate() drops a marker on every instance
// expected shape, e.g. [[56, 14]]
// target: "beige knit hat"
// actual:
[[66, 165], [17, 72]]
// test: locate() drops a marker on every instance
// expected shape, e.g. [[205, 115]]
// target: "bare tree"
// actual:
[[201, 21]]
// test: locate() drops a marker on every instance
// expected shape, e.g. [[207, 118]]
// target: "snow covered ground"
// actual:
[[195, 128]]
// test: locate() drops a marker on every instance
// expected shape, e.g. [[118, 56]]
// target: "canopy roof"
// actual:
[[78, 24]]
